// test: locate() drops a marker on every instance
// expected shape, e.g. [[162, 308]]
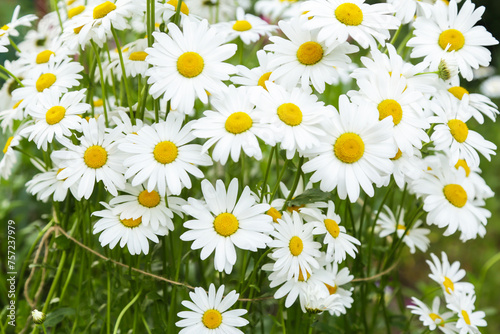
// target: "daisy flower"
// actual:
[[468, 320], [187, 64], [9, 115], [304, 59], [96, 159], [407, 10], [209, 313], [278, 9], [341, 19], [478, 104], [226, 221], [256, 77], [340, 277], [165, 11], [9, 30], [55, 116], [451, 31], [9, 158], [130, 232], [161, 155], [294, 116], [491, 87], [46, 184], [29, 60], [472, 175], [433, 317], [407, 167], [315, 301], [448, 275], [356, 151], [234, 125]]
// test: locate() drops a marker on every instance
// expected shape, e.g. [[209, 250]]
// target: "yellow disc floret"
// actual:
[[448, 285], [131, 223], [165, 152], [45, 81], [390, 107], [296, 246], [398, 155], [465, 315], [43, 57], [98, 103], [138, 56], [458, 91], [462, 163], [331, 289], [453, 37], [190, 64], [458, 129], [55, 114], [301, 275], [349, 148], [263, 79], [309, 53], [103, 9], [149, 199], [242, 25], [7, 145], [184, 7], [349, 14], [226, 224], [455, 194], [95, 156], [17, 104], [332, 227], [290, 114], [212, 319], [75, 11], [238, 122], [435, 317], [274, 213]]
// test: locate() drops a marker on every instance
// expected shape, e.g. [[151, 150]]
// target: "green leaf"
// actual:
[[311, 196], [55, 317]]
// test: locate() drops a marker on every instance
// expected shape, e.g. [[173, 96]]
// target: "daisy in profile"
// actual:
[[187, 64], [129, 232], [407, 167], [256, 77], [56, 50], [468, 319], [161, 156], [340, 277], [208, 313], [449, 30], [9, 158], [233, 126], [432, 317], [9, 30], [341, 19], [356, 152], [407, 10], [96, 159], [478, 104], [46, 184], [304, 59], [55, 115], [448, 276], [226, 222], [10, 115], [165, 11], [491, 87]]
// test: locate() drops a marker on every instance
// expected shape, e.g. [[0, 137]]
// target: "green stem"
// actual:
[[103, 82], [54, 283], [70, 274], [120, 316], [56, 8], [266, 176], [14, 45], [295, 183], [177, 16], [12, 75], [44, 330]]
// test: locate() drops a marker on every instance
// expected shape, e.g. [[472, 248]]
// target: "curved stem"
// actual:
[[54, 283], [120, 316]]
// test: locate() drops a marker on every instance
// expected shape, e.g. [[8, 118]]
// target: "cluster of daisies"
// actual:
[[137, 102]]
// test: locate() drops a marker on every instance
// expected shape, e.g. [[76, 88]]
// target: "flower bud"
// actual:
[[38, 317]]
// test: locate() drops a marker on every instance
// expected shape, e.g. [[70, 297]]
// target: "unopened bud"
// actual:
[[447, 68], [38, 317]]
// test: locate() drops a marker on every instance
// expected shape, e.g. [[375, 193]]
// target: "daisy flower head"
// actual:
[[256, 77], [275, 10], [9, 30], [55, 115], [233, 126], [407, 10], [209, 312], [186, 64], [432, 317], [162, 156], [302, 58], [477, 104], [341, 19], [226, 221], [9, 158], [407, 167], [468, 320], [29, 60], [96, 159], [129, 232], [315, 301], [448, 276], [165, 12], [339, 277], [294, 116], [356, 151], [46, 184], [452, 30], [491, 87], [9, 115]]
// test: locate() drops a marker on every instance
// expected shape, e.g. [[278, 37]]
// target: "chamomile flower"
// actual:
[[304, 59], [478, 105], [407, 10], [407, 167], [341, 19], [278, 9], [449, 30], [209, 313], [356, 152], [187, 64], [256, 77], [9, 158], [233, 126], [491, 87], [30, 60], [468, 319], [9, 115], [55, 115], [165, 11], [129, 232], [161, 155], [340, 277], [433, 318], [448, 275], [226, 221], [96, 159], [9, 30], [46, 184], [314, 300], [472, 176]]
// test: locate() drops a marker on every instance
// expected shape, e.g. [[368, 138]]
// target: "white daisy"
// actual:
[[407, 10], [450, 30], [315, 301], [472, 175], [226, 221], [10, 115], [340, 277], [448, 276], [9, 158], [187, 64], [491, 87], [433, 318], [162, 156], [46, 184], [278, 9], [29, 60], [209, 313], [355, 153], [256, 77], [478, 104], [468, 320], [407, 167], [9, 30]]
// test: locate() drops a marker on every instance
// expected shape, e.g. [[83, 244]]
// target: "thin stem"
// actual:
[[177, 16], [14, 45], [54, 283], [103, 82], [120, 316], [295, 183], [12, 75], [266, 175]]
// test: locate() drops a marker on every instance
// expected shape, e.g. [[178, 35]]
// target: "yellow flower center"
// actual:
[[453, 37], [462, 163], [434, 317], [448, 285], [103, 9], [294, 208], [263, 79], [349, 148], [44, 56], [349, 14], [55, 114], [131, 223], [392, 108], [296, 246], [309, 53], [7, 144], [98, 103], [190, 64], [138, 56], [226, 224], [458, 129], [332, 227], [77, 30], [458, 91], [274, 213], [70, 2], [149, 199], [301, 276], [401, 227], [398, 155], [331, 289], [238, 122], [184, 7], [465, 315], [212, 319], [45, 81], [17, 104], [95, 156], [242, 25], [75, 11], [165, 152], [455, 194], [290, 114]]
